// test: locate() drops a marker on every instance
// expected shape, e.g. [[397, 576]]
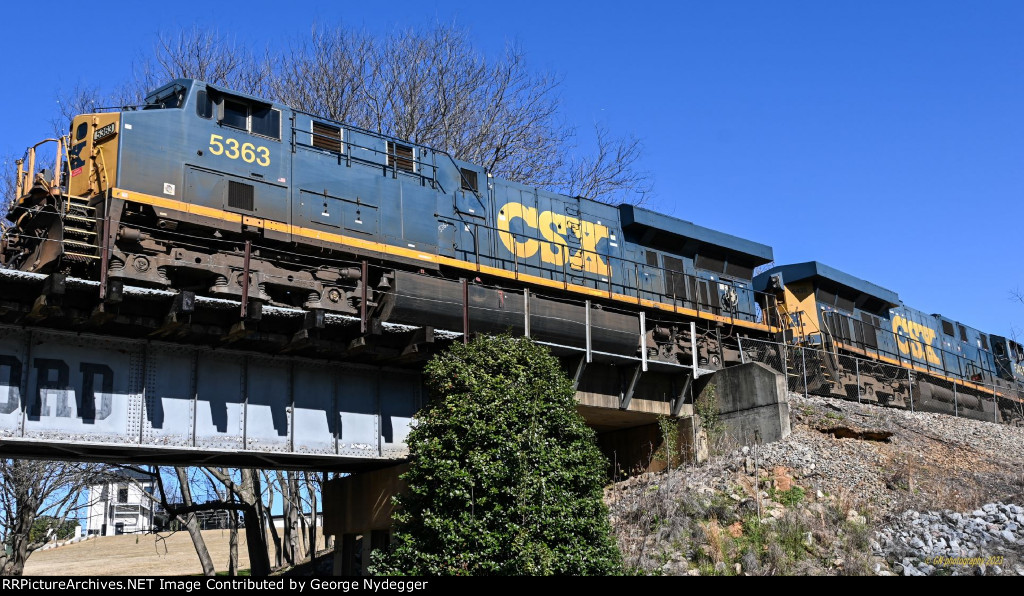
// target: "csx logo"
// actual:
[[555, 229], [919, 344]]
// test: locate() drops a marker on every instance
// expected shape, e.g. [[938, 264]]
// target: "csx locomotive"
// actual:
[[217, 192]]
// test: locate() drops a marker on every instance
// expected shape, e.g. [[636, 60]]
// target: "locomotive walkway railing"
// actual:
[[647, 285], [811, 371], [951, 365]]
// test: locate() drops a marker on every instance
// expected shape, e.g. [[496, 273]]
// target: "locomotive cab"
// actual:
[[821, 305], [1009, 358]]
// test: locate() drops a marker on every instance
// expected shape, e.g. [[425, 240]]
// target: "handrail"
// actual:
[[394, 157], [637, 266], [627, 265], [343, 126], [26, 176], [909, 362]]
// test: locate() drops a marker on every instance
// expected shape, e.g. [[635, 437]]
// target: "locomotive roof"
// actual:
[[816, 271], [190, 83], [670, 230]]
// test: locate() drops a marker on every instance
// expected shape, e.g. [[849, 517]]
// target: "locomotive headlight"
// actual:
[[105, 132]]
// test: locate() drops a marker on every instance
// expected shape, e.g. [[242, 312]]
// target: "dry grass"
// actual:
[[713, 536], [167, 554]]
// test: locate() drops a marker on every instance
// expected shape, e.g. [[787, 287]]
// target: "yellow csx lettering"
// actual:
[[230, 148], [553, 228], [920, 343]]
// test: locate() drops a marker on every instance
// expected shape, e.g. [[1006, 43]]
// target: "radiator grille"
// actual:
[[401, 157], [326, 137], [739, 271], [710, 263], [240, 196]]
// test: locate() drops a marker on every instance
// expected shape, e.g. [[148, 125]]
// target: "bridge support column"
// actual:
[[735, 406], [641, 449], [357, 512], [752, 404]]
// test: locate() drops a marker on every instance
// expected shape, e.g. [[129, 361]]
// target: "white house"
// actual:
[[121, 506]]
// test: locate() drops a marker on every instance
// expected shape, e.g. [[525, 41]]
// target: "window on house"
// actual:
[[122, 495], [326, 136], [401, 157]]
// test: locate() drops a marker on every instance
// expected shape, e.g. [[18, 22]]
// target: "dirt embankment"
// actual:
[[831, 499]]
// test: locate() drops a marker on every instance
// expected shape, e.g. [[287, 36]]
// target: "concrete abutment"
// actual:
[[744, 404]]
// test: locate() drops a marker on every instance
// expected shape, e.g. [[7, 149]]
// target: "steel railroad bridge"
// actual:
[[159, 377]]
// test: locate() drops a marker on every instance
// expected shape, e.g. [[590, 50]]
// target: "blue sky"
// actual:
[[885, 139]]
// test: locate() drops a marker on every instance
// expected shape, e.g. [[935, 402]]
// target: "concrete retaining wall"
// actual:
[[752, 402]]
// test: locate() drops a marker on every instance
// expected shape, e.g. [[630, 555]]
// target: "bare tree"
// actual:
[[314, 492], [289, 516], [32, 492], [268, 482], [325, 74], [188, 517], [430, 86], [232, 539], [434, 88], [80, 99], [610, 173], [176, 501], [246, 496], [197, 53], [8, 173]]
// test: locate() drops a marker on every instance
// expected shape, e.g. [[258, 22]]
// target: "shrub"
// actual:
[[505, 477]]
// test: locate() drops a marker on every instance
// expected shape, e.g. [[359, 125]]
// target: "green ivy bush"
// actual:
[[505, 477]]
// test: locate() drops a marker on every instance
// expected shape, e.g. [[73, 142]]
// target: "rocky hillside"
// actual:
[[855, 489]]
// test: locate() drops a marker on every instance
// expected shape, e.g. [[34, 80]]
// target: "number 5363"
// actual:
[[232, 150]]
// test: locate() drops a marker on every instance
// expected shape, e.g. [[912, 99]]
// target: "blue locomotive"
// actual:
[[230, 195], [216, 192]]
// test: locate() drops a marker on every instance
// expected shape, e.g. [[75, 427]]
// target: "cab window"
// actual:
[[166, 99], [266, 122], [234, 114], [240, 113]]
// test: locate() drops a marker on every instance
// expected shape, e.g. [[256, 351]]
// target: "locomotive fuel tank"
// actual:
[[425, 300]]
